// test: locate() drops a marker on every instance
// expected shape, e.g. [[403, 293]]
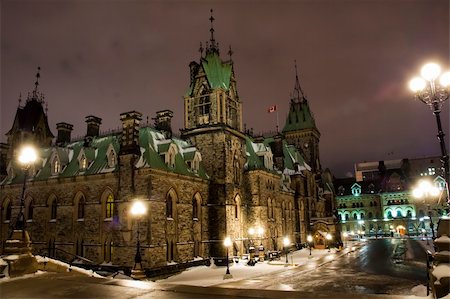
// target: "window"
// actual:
[[389, 215], [83, 162], [169, 206], [194, 208], [236, 206], [356, 189], [347, 217], [399, 214], [362, 216], [81, 204], [53, 209], [409, 214], [355, 216], [112, 159], [109, 206], [56, 165]]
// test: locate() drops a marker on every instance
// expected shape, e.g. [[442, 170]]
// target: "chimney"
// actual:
[[163, 122], [93, 126], [129, 143], [64, 131]]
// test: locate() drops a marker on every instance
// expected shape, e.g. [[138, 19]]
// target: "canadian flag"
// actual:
[[272, 109]]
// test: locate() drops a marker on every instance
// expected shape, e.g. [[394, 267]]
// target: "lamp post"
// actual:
[[309, 239], [27, 157], [328, 237], [434, 94], [138, 209], [286, 243], [345, 235], [227, 244], [424, 190]]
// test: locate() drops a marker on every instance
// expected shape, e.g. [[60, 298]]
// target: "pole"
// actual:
[[228, 264], [20, 223], [309, 248], [440, 135], [286, 255], [277, 123], [138, 258]]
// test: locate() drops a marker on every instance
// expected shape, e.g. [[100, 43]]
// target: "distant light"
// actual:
[[417, 193], [345, 234], [251, 231], [430, 71], [260, 230], [286, 241], [329, 237], [309, 238], [445, 79], [417, 84]]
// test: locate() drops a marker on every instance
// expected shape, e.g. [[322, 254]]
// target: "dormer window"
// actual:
[[10, 171], [356, 190], [56, 165], [83, 162], [170, 155], [268, 161], [111, 156], [195, 164]]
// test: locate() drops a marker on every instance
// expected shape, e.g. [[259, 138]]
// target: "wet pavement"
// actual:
[[378, 267]]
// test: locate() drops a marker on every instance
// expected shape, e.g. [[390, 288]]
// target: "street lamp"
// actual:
[[434, 94], [345, 234], [286, 243], [227, 244], [426, 189], [328, 237], [27, 157], [309, 239], [138, 209]]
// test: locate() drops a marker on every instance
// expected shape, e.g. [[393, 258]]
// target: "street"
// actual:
[[376, 268]]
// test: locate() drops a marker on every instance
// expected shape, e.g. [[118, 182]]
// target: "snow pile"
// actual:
[[441, 270], [420, 291], [442, 239], [68, 268]]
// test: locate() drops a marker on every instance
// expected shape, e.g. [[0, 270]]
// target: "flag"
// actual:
[[272, 109]]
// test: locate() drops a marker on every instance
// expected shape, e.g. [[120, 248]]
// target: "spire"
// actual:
[[298, 94], [38, 75], [201, 49], [230, 52], [213, 46]]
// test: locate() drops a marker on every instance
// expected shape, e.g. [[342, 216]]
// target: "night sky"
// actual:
[[355, 59]]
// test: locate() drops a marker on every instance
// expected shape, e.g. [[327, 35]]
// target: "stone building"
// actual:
[[215, 181], [380, 199]]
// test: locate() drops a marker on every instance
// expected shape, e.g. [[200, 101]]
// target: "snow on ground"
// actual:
[[212, 275]]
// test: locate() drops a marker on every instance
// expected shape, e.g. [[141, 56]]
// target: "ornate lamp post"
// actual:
[[286, 243], [328, 237], [227, 244], [27, 158], [309, 238], [426, 189], [434, 93], [138, 209]]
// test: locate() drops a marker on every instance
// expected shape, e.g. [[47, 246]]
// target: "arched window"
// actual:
[[362, 216], [83, 162], [53, 209], [169, 206], [56, 165], [347, 217], [109, 213], [237, 203], [80, 208], [399, 214], [409, 214], [355, 216], [194, 208], [389, 215]]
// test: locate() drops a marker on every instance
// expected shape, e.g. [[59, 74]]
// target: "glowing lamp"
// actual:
[[430, 71], [444, 80], [138, 208], [309, 238], [27, 155], [227, 242], [286, 241], [417, 84]]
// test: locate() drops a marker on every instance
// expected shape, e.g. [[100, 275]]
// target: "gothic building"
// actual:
[[215, 181]]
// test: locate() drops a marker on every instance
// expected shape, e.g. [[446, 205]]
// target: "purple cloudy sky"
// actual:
[[355, 58]]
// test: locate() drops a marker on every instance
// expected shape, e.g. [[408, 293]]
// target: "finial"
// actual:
[[46, 108], [201, 49], [20, 98], [230, 52], [38, 75], [298, 94], [211, 19]]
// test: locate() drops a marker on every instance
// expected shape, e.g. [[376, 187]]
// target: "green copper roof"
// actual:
[[153, 146], [217, 72], [299, 117]]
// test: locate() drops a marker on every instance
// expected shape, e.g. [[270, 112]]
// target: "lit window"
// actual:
[[83, 162], [109, 206], [56, 165], [431, 171]]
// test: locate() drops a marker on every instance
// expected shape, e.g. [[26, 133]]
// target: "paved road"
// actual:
[[377, 268], [359, 274]]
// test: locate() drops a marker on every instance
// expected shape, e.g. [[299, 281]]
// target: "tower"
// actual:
[[30, 123], [300, 128], [213, 123]]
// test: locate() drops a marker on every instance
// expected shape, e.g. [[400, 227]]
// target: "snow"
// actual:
[[213, 275], [443, 239], [441, 270], [68, 267]]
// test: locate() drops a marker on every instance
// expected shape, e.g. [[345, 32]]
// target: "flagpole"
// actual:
[[277, 121]]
